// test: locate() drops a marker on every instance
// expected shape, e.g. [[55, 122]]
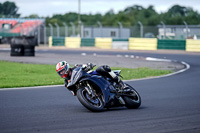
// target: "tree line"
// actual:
[[128, 17]]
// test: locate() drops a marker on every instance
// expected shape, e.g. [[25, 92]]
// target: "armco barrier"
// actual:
[[72, 42], [143, 43], [105, 43], [50, 41], [120, 44], [58, 41], [171, 44], [193, 45], [87, 42]]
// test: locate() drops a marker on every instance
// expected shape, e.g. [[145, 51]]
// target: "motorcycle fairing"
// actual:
[[77, 74], [101, 83]]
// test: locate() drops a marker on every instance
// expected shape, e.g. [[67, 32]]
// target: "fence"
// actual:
[[170, 32], [162, 32], [131, 43]]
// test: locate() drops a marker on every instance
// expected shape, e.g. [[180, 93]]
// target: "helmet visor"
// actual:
[[63, 72]]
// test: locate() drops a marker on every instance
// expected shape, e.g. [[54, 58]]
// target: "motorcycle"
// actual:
[[97, 93]]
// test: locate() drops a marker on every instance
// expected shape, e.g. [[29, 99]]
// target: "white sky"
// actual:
[[49, 7]]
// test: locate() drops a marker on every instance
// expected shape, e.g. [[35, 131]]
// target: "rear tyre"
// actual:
[[17, 50], [29, 50], [133, 101], [93, 104]]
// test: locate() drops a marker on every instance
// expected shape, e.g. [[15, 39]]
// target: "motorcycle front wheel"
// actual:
[[134, 100], [92, 103]]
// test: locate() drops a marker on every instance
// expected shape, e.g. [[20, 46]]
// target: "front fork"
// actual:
[[90, 91]]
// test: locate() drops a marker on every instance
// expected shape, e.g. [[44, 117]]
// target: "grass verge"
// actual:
[[25, 75]]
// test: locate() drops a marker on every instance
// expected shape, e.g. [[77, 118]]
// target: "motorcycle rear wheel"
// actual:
[[134, 101], [93, 104]]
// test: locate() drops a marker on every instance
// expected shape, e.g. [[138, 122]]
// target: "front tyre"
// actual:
[[93, 104], [134, 100]]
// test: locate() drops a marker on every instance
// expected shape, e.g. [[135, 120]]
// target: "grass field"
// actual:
[[24, 75]]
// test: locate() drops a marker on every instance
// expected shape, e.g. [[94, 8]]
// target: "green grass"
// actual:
[[24, 75], [138, 73]]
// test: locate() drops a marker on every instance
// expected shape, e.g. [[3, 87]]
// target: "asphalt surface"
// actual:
[[113, 59], [169, 104]]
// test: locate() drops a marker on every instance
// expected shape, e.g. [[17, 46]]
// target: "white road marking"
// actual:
[[83, 54], [157, 59], [126, 56], [119, 55]]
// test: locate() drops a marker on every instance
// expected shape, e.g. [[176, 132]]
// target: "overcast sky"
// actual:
[[49, 7]]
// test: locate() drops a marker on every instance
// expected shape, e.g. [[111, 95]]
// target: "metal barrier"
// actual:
[[193, 45], [72, 42], [120, 44], [87, 42], [105, 43], [172, 44], [58, 41], [143, 43], [131, 43]]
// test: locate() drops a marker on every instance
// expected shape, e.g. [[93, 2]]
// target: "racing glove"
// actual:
[[66, 83], [89, 66]]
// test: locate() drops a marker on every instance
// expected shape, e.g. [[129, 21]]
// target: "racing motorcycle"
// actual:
[[97, 93]]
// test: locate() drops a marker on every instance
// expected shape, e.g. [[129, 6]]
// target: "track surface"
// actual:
[[170, 104]]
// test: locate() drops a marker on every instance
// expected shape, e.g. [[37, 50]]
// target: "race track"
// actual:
[[169, 104]]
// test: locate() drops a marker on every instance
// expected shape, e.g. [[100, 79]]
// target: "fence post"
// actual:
[[73, 29], [45, 34], [92, 32], [120, 29], [141, 29], [66, 29], [164, 29], [58, 30], [51, 28], [186, 26], [100, 26], [82, 30], [39, 34]]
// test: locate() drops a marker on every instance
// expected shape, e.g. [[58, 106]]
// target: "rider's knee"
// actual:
[[103, 69]]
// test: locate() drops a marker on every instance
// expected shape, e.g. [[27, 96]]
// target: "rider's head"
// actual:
[[63, 69]]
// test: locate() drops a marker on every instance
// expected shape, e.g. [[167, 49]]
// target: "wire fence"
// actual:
[[172, 32]]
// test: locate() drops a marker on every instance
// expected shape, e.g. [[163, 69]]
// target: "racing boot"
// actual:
[[123, 87], [119, 82]]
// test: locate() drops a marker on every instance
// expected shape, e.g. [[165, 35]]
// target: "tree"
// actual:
[[177, 14], [131, 15], [177, 10], [9, 9], [33, 16]]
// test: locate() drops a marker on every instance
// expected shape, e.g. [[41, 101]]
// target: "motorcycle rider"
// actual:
[[65, 71]]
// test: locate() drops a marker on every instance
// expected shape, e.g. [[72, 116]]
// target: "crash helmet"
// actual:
[[62, 68]]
